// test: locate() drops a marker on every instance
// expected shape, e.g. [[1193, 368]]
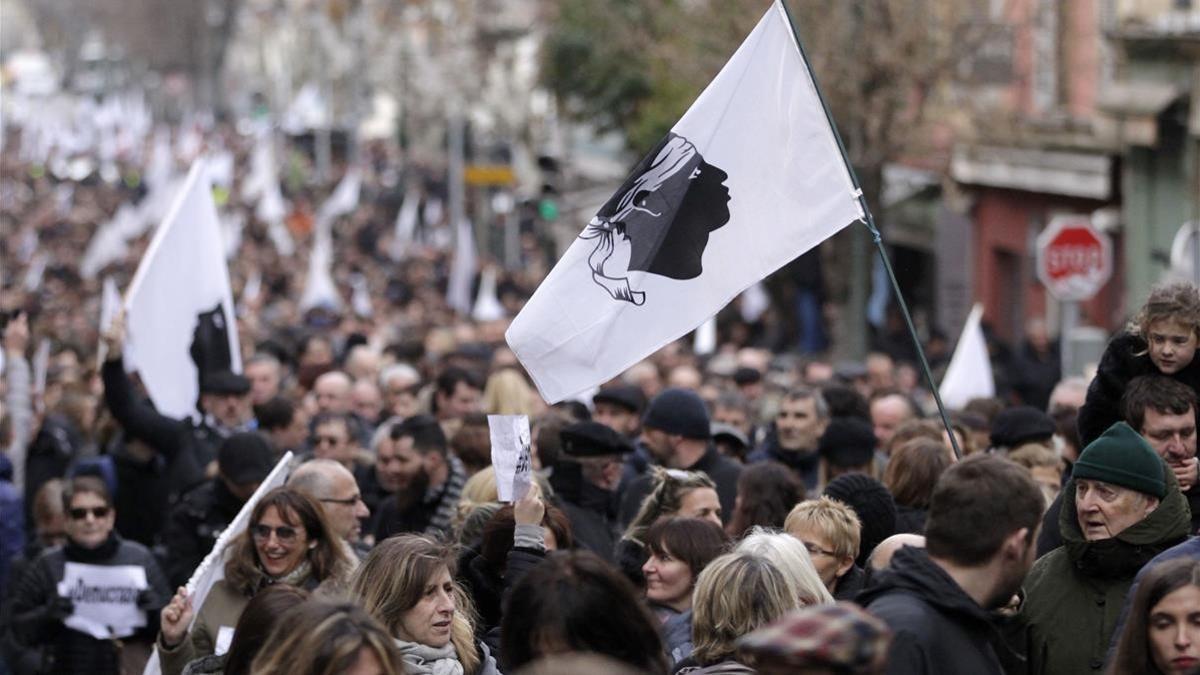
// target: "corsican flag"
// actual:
[[179, 306], [212, 568], [969, 374], [749, 178]]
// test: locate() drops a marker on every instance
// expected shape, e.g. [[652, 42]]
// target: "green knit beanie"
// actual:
[[1122, 457]]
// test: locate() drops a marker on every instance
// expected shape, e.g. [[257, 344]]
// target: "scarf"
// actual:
[[422, 659], [296, 577]]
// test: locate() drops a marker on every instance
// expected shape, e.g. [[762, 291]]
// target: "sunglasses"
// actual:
[[282, 533], [97, 512]]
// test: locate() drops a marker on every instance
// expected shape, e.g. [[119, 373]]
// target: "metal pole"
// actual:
[[869, 221], [1068, 320]]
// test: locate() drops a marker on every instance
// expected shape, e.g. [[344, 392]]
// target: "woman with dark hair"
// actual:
[[407, 584], [325, 638], [911, 475], [1162, 634], [253, 627], [766, 493], [289, 541], [43, 598], [515, 539], [576, 602], [688, 494], [680, 548]]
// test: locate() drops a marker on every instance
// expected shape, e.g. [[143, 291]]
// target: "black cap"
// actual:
[[224, 382], [729, 432], [680, 412], [592, 439], [625, 395], [744, 375], [847, 442], [1019, 425], [245, 458]]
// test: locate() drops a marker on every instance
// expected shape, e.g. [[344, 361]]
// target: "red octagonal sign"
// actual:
[[1074, 259]]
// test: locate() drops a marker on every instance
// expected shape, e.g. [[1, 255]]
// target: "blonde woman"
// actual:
[[407, 583], [321, 638], [508, 393], [687, 494], [736, 594]]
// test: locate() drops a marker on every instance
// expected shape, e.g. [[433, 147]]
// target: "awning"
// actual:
[[1054, 172]]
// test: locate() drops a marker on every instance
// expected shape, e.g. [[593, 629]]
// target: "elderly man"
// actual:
[[266, 376], [332, 485], [332, 393], [1163, 411], [1120, 509]]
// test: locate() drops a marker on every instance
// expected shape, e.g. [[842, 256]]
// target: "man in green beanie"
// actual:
[[1120, 509]]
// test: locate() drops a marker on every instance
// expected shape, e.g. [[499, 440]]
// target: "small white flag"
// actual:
[[179, 308], [406, 225], [969, 374], [462, 269], [705, 340], [110, 304], [319, 287], [750, 178], [360, 297], [344, 198], [487, 305]]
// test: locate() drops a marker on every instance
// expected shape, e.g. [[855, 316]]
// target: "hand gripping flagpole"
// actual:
[[869, 221]]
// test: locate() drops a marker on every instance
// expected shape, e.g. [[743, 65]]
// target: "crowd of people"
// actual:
[[747, 510]]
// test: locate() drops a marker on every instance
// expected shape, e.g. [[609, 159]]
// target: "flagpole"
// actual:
[[869, 221]]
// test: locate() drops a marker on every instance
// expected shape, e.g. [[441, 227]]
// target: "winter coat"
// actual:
[[433, 514], [937, 627], [488, 587], [69, 650], [806, 465], [723, 471], [1101, 409], [1073, 595], [588, 508], [194, 525]]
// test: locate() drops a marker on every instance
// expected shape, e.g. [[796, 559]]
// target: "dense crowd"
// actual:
[[752, 509]]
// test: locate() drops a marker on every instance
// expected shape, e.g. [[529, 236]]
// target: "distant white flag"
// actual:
[[37, 270], [969, 374], [487, 304], [406, 225], [319, 287], [705, 340], [360, 296], [251, 290], [344, 198], [110, 304], [747, 180], [462, 269], [281, 238], [212, 568], [179, 306], [755, 302]]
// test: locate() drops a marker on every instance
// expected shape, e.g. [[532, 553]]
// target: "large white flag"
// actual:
[[969, 374], [212, 568], [179, 307], [747, 180]]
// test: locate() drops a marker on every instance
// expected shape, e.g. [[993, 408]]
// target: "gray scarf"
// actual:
[[422, 659]]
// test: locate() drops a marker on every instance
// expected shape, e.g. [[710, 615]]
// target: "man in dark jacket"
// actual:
[[676, 432], [1163, 411], [39, 611], [1121, 508], [194, 524], [429, 482], [584, 478], [794, 437], [938, 600]]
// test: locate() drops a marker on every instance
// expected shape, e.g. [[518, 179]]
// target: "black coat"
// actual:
[[72, 651], [910, 520], [194, 525], [489, 587], [937, 627], [589, 508], [806, 465], [1118, 366]]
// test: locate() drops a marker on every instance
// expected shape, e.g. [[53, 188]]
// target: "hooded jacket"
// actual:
[[1101, 409], [938, 627], [1073, 595]]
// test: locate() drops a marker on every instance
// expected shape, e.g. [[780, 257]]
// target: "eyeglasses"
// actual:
[[282, 533], [97, 512], [323, 440], [813, 549], [348, 501]]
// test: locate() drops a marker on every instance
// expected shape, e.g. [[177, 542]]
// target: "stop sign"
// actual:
[[1074, 259]]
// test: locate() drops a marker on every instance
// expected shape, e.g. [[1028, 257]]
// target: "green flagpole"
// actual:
[[869, 221]]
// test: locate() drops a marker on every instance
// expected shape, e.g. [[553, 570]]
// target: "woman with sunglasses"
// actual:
[[288, 541], [40, 612]]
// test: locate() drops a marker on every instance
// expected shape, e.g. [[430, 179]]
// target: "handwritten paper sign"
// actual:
[[511, 455], [105, 599]]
